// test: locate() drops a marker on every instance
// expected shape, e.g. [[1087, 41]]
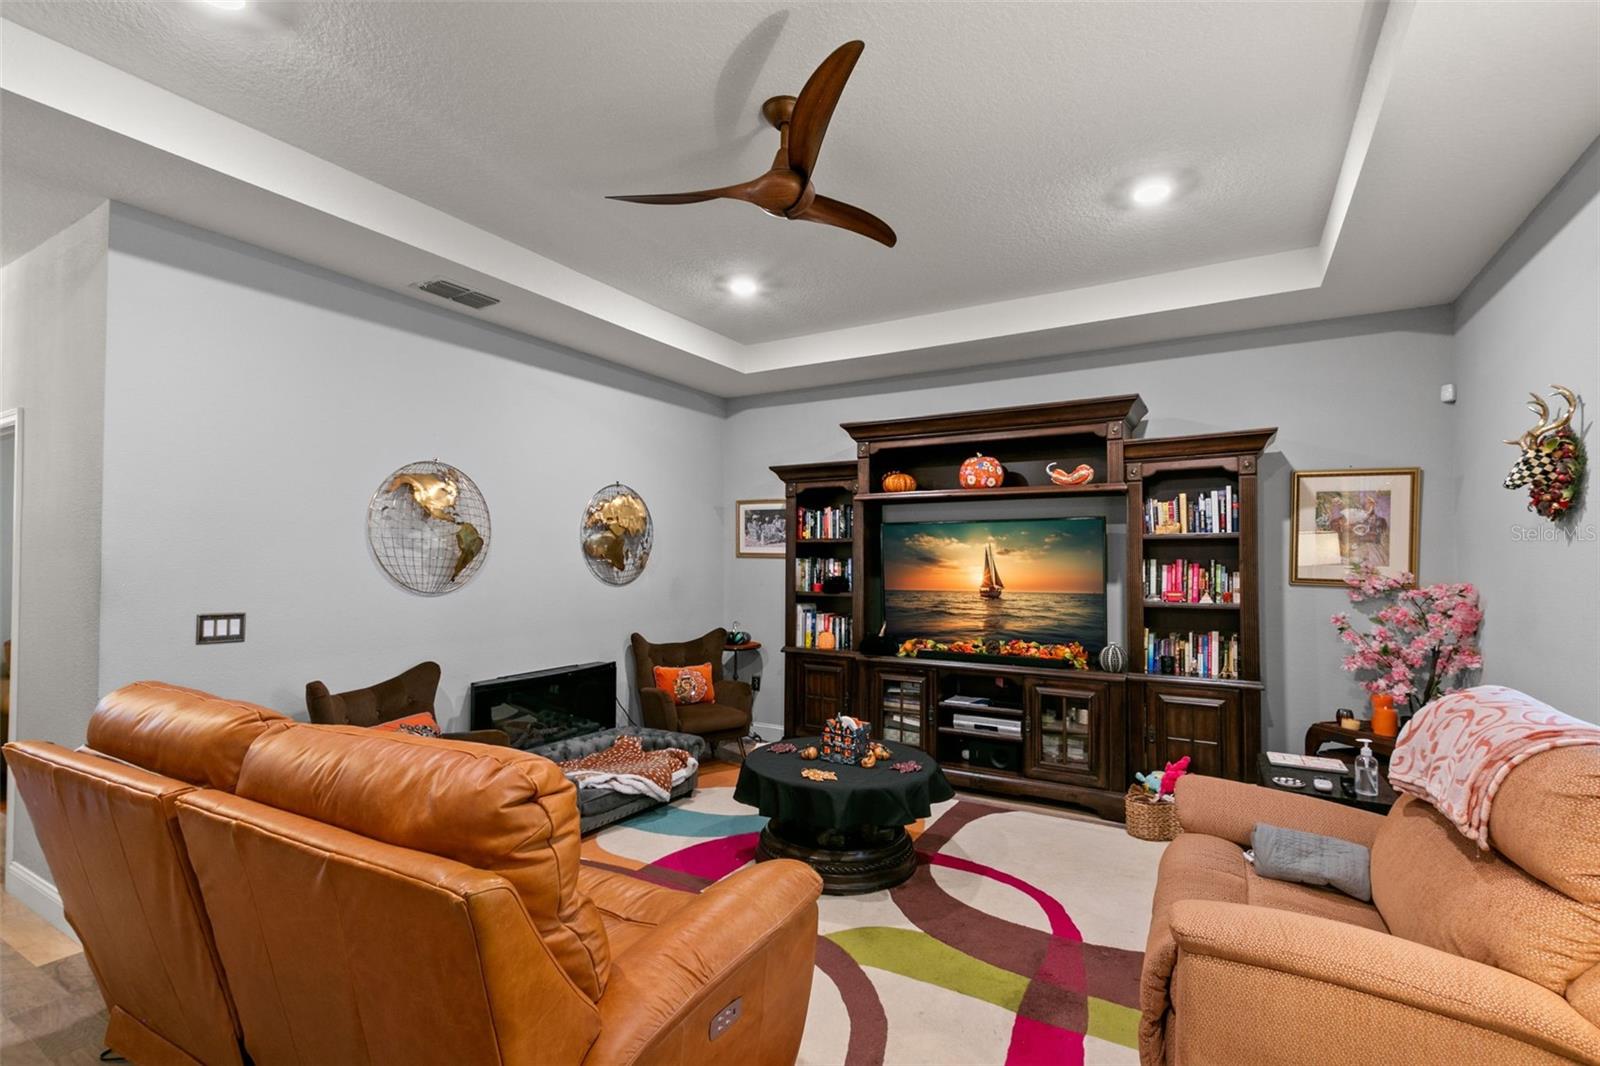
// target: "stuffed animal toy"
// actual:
[[1169, 778], [1151, 782]]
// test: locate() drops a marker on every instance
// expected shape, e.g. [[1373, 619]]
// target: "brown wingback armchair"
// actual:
[[406, 694], [726, 718]]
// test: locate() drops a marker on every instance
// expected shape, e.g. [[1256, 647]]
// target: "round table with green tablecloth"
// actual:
[[851, 830]]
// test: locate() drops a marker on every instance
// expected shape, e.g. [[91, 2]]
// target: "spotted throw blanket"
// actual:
[[1458, 749], [627, 767]]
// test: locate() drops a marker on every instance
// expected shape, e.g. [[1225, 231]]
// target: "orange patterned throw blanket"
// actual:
[[1458, 749], [627, 767]]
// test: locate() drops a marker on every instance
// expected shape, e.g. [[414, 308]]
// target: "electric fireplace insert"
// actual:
[[545, 706]]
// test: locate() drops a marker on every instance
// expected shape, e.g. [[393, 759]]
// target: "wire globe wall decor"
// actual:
[[615, 534], [428, 527]]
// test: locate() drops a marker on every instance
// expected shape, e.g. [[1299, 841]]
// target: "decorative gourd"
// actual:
[[1082, 474], [826, 640], [896, 481], [982, 472]]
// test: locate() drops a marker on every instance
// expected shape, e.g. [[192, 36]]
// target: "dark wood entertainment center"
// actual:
[[1083, 732]]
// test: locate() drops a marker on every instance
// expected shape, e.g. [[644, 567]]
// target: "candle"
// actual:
[[1385, 722]]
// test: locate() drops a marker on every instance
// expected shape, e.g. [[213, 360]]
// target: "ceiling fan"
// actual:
[[786, 190]]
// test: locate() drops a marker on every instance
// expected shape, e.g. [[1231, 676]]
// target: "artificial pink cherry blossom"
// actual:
[[1423, 637]]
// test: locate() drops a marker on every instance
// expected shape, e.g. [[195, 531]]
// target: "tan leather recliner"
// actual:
[[1464, 956], [379, 897], [109, 830]]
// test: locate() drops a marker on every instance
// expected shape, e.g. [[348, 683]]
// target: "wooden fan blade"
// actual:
[[845, 216], [813, 108], [681, 197]]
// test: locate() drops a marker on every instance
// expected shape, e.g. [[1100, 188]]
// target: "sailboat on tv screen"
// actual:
[[991, 587]]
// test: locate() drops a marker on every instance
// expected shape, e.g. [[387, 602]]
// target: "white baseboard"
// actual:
[[38, 895]]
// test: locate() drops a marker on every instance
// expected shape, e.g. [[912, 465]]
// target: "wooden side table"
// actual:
[[1344, 790], [749, 645], [1321, 733]]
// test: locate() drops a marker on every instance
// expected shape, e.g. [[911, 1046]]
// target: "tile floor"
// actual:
[[50, 1009]]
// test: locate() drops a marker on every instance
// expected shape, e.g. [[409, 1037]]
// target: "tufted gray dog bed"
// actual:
[[598, 808]]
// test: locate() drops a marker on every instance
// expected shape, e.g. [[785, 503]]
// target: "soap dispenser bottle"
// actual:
[[1366, 771]]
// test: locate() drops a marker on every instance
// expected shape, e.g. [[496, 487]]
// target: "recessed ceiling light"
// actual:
[[743, 287], [225, 5], [1148, 192]]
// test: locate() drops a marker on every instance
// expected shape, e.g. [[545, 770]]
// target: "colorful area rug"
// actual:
[[1017, 941]]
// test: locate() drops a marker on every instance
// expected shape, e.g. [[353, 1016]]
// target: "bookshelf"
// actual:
[[1192, 597], [819, 591]]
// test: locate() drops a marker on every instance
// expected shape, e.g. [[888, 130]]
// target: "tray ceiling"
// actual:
[[996, 138]]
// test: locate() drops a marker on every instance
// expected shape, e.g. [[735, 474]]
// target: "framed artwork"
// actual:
[[1345, 518], [760, 529]]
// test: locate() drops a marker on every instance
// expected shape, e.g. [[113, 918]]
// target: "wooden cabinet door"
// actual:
[[820, 690], [1202, 723], [898, 707], [1066, 732]]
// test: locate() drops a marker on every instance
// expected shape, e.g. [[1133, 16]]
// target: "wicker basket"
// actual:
[[1148, 819]]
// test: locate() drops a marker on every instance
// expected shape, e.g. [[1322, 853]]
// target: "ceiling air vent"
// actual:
[[460, 294]]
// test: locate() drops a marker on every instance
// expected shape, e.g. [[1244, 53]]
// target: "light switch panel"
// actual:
[[219, 628]]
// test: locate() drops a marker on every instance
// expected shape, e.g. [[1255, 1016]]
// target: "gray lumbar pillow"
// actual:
[[1309, 859]]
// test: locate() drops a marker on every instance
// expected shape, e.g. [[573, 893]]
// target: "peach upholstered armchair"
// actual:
[[1463, 956]]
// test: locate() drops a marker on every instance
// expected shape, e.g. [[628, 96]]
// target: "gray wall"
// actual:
[[255, 403], [1355, 392], [52, 365], [1530, 320]]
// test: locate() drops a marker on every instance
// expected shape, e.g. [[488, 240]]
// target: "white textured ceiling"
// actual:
[[993, 136]]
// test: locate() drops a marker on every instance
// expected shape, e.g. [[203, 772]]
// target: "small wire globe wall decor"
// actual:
[[428, 527], [615, 534]]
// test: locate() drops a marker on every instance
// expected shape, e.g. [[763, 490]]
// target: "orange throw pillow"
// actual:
[[421, 724], [687, 684]]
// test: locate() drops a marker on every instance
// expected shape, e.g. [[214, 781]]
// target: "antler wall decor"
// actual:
[[1552, 461]]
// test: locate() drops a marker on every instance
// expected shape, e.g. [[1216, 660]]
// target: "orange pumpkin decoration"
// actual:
[[896, 481], [826, 640], [982, 472]]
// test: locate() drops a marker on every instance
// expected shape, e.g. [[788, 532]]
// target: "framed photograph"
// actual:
[[1345, 518], [760, 529]]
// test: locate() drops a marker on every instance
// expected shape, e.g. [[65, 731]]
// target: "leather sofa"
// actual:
[[1463, 956], [727, 717], [107, 821], [375, 896]]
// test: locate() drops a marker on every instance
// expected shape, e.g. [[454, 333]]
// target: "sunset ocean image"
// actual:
[[1051, 573]]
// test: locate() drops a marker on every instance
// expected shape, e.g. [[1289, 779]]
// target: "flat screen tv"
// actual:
[[1031, 579]]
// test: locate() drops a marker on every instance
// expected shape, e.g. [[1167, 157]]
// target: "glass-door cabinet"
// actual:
[[901, 700], [1067, 733]]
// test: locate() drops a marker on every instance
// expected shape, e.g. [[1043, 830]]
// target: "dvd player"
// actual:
[[980, 723]]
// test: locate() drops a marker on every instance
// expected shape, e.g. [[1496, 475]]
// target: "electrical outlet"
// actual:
[[755, 682]]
